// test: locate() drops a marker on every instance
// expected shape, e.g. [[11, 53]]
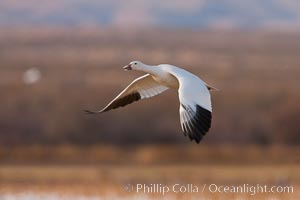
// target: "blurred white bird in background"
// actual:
[[31, 76]]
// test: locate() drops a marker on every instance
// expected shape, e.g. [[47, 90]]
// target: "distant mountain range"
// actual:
[[165, 13]]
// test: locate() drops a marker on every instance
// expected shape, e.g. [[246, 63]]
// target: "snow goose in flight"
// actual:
[[195, 104]]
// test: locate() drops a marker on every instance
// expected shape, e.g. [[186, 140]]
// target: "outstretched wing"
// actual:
[[141, 88], [195, 104], [195, 108]]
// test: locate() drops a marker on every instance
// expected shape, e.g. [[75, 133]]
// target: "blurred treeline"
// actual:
[[257, 74]]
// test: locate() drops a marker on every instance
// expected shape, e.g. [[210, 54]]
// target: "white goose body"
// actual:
[[166, 79], [195, 103]]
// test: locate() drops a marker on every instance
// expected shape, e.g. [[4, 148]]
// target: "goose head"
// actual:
[[134, 65]]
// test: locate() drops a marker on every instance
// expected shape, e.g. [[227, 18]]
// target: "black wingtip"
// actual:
[[198, 140], [88, 112], [198, 124]]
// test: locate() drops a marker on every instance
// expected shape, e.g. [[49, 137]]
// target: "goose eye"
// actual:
[[135, 63]]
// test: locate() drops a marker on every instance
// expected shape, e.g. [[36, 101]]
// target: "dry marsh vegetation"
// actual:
[[102, 172], [100, 181]]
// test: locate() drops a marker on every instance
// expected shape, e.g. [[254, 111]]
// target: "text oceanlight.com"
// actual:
[[212, 188]]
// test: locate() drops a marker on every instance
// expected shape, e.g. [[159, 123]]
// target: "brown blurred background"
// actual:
[[257, 73], [60, 58]]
